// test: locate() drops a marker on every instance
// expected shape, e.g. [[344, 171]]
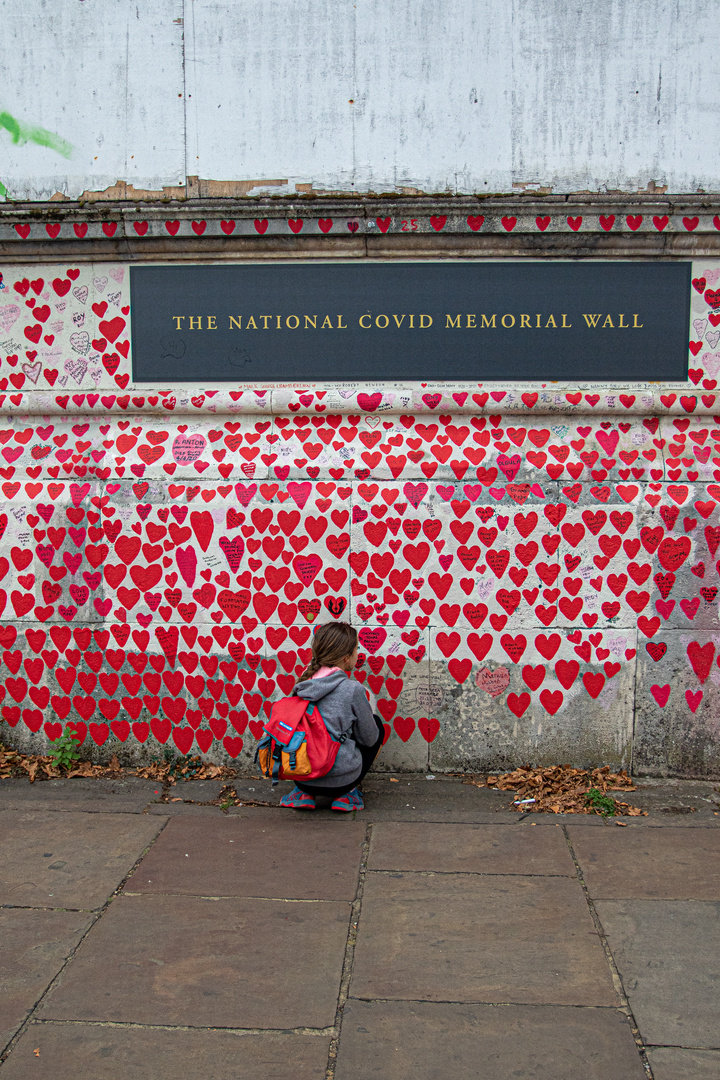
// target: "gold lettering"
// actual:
[[360, 320], [265, 320], [327, 323], [178, 319], [484, 321], [537, 323], [566, 325], [591, 320], [551, 322], [251, 324], [621, 324], [412, 324], [195, 319], [382, 325], [525, 321], [452, 324], [340, 323], [287, 322], [238, 322], [425, 325], [211, 324], [312, 319], [635, 324], [399, 324], [508, 326], [609, 321], [278, 327], [470, 324]]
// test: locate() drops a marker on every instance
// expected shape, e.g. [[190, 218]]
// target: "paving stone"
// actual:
[[77, 1051], [422, 1041], [294, 855], [476, 849], [668, 956], [33, 947], [661, 864], [485, 939], [126, 795], [219, 963], [669, 1063], [69, 860]]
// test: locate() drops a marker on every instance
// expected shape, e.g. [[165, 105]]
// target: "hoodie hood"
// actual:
[[315, 689]]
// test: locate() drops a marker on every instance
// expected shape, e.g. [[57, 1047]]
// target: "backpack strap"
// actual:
[[338, 739]]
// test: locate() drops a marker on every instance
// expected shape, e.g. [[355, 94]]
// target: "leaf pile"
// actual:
[[14, 764], [184, 768], [37, 766], [563, 790]]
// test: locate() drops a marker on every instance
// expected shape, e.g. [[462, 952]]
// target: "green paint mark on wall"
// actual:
[[22, 133]]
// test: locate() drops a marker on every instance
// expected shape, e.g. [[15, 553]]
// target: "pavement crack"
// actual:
[[96, 916], [50, 1022], [349, 958], [616, 978]]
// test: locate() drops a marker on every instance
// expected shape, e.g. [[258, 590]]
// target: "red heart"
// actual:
[[428, 728]]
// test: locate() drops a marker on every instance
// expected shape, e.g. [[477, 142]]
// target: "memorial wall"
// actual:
[[407, 314], [532, 565]]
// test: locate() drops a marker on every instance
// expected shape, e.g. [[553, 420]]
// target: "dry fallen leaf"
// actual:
[[561, 789], [13, 763]]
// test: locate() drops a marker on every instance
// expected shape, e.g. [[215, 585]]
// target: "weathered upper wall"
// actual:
[[377, 95]]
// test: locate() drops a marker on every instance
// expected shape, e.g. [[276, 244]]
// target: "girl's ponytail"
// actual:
[[331, 644]]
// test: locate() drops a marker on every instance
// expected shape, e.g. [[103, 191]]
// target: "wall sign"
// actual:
[[470, 321]]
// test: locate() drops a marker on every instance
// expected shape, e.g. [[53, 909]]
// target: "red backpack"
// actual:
[[297, 744]]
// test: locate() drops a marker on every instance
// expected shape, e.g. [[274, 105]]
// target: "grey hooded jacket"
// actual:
[[345, 710]]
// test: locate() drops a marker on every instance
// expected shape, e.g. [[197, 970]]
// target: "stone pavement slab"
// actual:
[[649, 863], [668, 956], [70, 860], [669, 1063], [461, 938], [422, 1041], [292, 856], [33, 948], [207, 963], [96, 1052], [126, 795], [477, 849]]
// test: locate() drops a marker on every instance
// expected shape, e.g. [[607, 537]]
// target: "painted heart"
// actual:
[[80, 342], [32, 371], [672, 553], [233, 550], [494, 682], [510, 466], [76, 369], [9, 315], [188, 448]]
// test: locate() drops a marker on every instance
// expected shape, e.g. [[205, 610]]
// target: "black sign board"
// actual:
[[431, 321]]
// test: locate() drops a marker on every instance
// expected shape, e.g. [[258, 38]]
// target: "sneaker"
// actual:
[[298, 800], [352, 801]]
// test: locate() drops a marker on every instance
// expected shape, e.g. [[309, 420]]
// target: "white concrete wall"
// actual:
[[447, 95]]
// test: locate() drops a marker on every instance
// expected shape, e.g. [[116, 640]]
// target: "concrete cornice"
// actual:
[[528, 225]]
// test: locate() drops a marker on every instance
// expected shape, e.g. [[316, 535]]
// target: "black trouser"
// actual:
[[369, 753]]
